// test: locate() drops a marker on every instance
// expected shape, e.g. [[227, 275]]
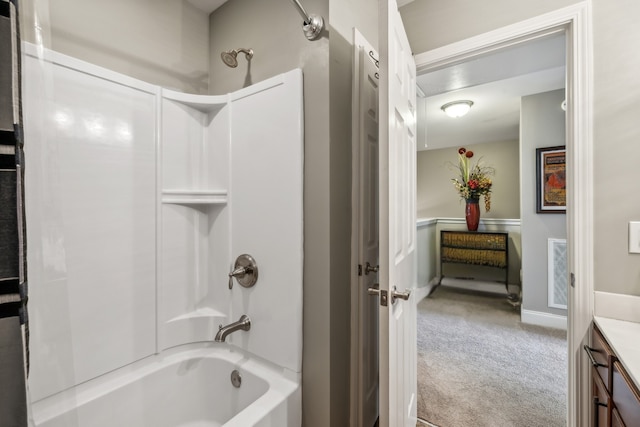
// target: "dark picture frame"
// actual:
[[551, 188]]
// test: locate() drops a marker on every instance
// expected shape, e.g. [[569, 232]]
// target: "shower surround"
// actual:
[[139, 199]]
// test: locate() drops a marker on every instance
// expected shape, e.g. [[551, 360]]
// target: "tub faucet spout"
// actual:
[[243, 324]]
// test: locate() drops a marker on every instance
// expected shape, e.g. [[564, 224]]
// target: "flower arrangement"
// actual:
[[474, 180]]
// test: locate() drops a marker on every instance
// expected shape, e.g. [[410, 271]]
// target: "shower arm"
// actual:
[[312, 25]]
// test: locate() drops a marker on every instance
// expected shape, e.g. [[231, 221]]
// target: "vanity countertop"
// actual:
[[624, 338]]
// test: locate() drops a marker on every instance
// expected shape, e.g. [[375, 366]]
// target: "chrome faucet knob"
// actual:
[[240, 271], [245, 270]]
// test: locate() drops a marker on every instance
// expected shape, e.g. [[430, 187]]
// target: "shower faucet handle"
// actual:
[[245, 270], [238, 272]]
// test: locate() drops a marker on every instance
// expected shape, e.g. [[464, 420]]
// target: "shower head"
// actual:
[[230, 57]]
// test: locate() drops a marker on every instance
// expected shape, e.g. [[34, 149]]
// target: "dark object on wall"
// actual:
[[551, 187], [13, 283]]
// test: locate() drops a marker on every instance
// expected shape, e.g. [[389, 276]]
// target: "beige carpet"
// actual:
[[479, 366]]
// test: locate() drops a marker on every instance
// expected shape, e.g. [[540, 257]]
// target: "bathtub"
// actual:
[[187, 386]]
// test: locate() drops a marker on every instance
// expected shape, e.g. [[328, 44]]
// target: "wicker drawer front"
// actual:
[[474, 256], [482, 249], [474, 240]]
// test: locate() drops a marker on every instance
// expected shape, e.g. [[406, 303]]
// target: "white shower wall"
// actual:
[[138, 201]]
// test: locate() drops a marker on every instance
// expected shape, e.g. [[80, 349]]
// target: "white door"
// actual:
[[397, 179], [366, 205]]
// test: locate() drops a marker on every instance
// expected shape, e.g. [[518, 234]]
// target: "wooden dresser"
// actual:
[[616, 398]]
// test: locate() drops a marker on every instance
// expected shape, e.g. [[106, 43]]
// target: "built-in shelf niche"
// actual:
[[194, 148], [194, 177], [209, 104], [186, 197]]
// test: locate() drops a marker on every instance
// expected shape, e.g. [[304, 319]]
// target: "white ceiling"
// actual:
[[207, 5], [495, 83]]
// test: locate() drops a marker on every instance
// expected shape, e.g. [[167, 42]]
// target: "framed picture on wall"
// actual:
[[551, 188]]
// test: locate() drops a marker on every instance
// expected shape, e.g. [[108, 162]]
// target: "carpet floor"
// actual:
[[479, 366]]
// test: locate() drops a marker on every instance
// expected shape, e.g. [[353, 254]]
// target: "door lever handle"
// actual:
[[368, 268], [374, 290], [399, 295]]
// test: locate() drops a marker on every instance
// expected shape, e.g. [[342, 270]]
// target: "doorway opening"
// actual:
[[517, 92], [574, 21]]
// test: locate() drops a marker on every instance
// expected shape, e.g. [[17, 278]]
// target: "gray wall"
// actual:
[[437, 197], [164, 42], [432, 24], [273, 29], [616, 131], [426, 251], [542, 124], [343, 16], [616, 135]]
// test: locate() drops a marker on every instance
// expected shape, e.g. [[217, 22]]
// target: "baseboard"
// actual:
[[543, 319], [617, 306], [422, 292], [478, 285], [421, 422]]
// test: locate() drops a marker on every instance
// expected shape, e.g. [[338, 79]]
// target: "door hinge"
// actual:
[[359, 269], [573, 280]]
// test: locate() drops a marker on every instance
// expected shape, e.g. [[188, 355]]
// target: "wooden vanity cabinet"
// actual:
[[616, 399], [616, 420], [626, 397], [601, 402], [602, 356]]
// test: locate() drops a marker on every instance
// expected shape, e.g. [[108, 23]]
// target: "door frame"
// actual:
[[575, 20], [356, 255]]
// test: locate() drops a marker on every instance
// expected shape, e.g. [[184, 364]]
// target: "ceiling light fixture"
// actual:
[[457, 108]]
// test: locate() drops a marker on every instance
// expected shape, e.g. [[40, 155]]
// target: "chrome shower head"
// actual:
[[230, 57]]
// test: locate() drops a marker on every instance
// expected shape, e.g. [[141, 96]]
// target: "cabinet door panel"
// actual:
[[616, 421], [601, 402], [626, 397], [602, 355]]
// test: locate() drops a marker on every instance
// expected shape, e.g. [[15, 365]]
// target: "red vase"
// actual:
[[472, 214]]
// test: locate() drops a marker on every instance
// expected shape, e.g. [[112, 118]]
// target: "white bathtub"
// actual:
[[188, 386]]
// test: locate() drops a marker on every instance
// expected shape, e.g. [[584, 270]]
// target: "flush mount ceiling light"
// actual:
[[457, 108]]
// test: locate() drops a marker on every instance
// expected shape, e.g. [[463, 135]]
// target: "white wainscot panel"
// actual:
[[90, 204]]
